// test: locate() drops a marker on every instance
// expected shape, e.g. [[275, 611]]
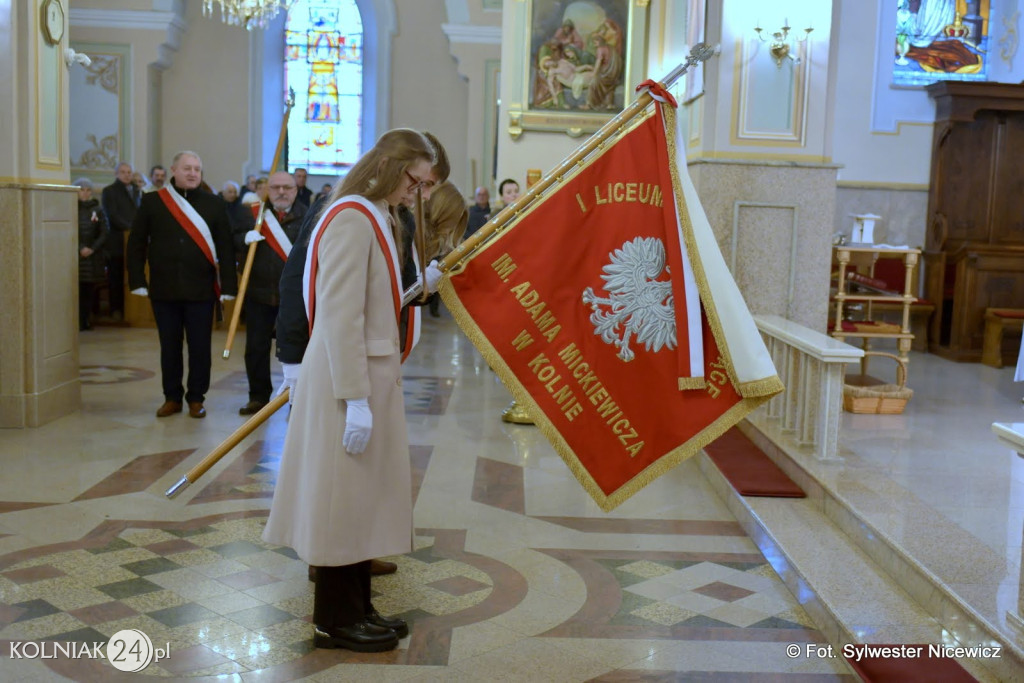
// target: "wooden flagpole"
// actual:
[[250, 425], [700, 52], [220, 451], [243, 284]]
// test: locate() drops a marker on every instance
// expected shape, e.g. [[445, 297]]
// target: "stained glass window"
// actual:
[[941, 40], [323, 64]]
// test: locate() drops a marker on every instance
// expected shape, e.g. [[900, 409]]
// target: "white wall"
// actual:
[[205, 96], [427, 92]]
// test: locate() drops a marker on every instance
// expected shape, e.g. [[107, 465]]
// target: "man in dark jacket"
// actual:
[[282, 220], [305, 195], [181, 231], [120, 201], [480, 212]]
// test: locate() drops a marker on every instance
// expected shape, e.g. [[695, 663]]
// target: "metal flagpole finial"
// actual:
[[701, 52], [178, 487]]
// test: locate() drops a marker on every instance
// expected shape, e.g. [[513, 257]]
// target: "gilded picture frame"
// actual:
[[580, 62]]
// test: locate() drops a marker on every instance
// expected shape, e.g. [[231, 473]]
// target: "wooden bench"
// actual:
[[997, 321]]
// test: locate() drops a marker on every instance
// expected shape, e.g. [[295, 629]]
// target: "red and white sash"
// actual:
[[386, 241], [190, 220], [275, 235]]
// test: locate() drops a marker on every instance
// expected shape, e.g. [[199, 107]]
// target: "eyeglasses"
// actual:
[[282, 188], [417, 184]]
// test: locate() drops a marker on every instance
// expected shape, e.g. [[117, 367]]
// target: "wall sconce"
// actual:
[[782, 46]]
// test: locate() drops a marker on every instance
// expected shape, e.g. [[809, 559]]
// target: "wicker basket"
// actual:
[[881, 399]]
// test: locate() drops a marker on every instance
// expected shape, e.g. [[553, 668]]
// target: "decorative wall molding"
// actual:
[[102, 156], [100, 96], [131, 20], [1010, 40], [469, 33], [457, 11], [734, 240], [103, 69], [491, 95], [791, 100], [171, 20]]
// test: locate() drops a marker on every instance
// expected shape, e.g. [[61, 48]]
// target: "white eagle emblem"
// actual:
[[638, 304]]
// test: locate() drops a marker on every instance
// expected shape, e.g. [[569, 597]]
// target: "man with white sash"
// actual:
[[181, 232], [282, 220]]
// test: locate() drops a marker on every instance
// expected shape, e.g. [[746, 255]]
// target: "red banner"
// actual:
[[576, 306]]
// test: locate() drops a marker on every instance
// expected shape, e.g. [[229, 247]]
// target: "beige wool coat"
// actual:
[[331, 507]]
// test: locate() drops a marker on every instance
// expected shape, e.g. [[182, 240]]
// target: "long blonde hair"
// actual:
[[446, 215], [381, 170]]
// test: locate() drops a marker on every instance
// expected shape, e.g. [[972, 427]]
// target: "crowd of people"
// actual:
[[106, 216], [327, 280]]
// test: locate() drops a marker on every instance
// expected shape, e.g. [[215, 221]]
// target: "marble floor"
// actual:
[[517, 575]]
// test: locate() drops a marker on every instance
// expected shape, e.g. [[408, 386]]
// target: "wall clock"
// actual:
[[53, 21]]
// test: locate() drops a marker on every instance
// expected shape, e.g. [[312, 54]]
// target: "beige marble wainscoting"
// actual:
[[774, 224], [904, 212], [39, 374]]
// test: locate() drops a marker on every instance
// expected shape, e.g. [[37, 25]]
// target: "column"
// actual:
[[39, 298]]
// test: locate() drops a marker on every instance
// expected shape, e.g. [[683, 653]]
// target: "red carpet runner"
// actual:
[[748, 469], [921, 667]]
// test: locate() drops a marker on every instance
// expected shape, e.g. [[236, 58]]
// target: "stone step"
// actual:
[[849, 594]]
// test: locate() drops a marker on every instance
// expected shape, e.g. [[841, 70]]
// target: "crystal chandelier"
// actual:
[[248, 13]]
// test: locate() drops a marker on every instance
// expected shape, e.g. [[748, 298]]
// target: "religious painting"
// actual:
[[941, 40], [578, 55], [577, 62]]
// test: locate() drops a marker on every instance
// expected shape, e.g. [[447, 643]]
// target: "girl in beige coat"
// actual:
[[343, 493]]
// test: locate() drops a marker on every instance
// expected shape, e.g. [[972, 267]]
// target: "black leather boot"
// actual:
[[399, 626], [361, 637]]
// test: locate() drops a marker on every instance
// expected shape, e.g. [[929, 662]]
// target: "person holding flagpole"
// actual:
[[182, 233], [282, 220], [293, 325], [342, 493]]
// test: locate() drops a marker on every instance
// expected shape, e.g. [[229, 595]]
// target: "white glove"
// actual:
[[227, 297], [253, 236], [291, 378], [358, 425], [141, 291], [433, 276]]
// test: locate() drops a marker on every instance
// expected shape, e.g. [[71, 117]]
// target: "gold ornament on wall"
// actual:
[[781, 46], [1008, 43], [104, 154], [105, 70]]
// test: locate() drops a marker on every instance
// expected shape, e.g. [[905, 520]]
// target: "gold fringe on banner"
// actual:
[[752, 394], [687, 383], [765, 387], [606, 502]]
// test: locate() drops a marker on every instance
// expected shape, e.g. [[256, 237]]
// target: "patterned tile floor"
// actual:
[[516, 574]]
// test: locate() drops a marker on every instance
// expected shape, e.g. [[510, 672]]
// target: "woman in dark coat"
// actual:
[[92, 235]]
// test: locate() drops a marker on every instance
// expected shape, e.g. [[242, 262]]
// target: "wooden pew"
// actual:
[[997, 321]]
